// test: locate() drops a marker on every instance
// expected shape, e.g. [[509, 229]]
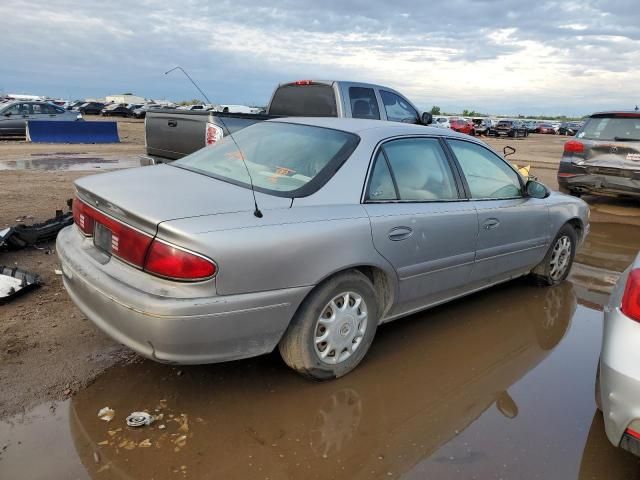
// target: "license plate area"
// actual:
[[102, 238]]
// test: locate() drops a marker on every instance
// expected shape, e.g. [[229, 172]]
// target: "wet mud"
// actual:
[[67, 161]]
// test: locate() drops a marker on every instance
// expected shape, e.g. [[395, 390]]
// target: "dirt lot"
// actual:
[[501, 382], [48, 349]]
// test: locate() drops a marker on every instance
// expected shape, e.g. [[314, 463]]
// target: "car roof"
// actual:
[[617, 112], [357, 125]]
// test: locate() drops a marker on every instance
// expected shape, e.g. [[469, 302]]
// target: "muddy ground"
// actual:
[[499, 385]]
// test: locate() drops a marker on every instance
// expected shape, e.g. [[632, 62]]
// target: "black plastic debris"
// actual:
[[14, 282], [21, 236]]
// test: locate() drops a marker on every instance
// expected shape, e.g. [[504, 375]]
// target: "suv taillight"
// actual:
[[573, 146], [631, 298], [175, 263]]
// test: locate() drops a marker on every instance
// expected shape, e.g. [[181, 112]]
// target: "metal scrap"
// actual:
[[21, 236], [14, 282]]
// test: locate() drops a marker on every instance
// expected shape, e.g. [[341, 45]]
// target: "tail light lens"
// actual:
[[213, 134], [81, 217], [631, 298], [141, 250], [127, 243], [573, 146], [175, 263]]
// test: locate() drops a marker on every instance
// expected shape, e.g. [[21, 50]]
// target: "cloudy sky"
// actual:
[[494, 56]]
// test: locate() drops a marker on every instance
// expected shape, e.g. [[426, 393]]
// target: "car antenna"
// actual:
[[191, 80], [257, 211]]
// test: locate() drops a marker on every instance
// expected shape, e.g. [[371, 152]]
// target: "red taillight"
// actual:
[[573, 146], [303, 82], [631, 298], [81, 218], [175, 263], [213, 134], [127, 243]]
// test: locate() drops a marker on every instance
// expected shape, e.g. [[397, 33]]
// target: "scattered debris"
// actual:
[[145, 443], [181, 441], [139, 419], [21, 236], [14, 281], [57, 272], [67, 392], [162, 427], [106, 414]]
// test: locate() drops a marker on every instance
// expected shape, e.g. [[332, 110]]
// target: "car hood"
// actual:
[[146, 196]]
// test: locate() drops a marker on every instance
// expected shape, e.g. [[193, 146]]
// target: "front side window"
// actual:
[[397, 108], [488, 176], [420, 170], [363, 103], [284, 159]]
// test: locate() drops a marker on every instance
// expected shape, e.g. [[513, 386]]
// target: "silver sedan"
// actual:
[[618, 377], [306, 234]]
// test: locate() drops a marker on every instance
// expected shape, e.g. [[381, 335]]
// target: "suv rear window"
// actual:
[[611, 128], [313, 100], [283, 159]]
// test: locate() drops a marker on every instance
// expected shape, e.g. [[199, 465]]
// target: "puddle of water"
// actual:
[[496, 385], [70, 163]]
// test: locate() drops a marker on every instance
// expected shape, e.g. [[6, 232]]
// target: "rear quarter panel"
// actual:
[[286, 248]]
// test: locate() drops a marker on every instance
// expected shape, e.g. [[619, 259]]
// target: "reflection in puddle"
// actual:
[[71, 163], [607, 252]]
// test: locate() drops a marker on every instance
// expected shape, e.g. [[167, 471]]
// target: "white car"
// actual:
[[441, 122], [618, 377]]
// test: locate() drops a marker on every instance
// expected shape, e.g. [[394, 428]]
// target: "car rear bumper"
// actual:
[[580, 179], [620, 378], [174, 330]]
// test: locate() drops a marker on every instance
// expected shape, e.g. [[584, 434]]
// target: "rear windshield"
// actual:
[[611, 128], [313, 100], [284, 159]]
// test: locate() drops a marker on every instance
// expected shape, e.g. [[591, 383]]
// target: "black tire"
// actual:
[[544, 273], [298, 345]]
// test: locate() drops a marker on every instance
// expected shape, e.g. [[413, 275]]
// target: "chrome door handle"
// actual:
[[491, 223], [400, 233]]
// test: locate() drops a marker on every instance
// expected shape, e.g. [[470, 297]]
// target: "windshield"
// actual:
[[284, 159], [611, 128]]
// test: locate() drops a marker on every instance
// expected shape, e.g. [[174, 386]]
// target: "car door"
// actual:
[[420, 223], [15, 122], [514, 231], [397, 108]]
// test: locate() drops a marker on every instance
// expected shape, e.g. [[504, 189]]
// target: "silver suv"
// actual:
[[603, 157]]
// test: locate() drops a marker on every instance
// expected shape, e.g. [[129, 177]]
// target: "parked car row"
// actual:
[[15, 114]]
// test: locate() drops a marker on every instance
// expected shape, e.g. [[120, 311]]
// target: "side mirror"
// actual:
[[7, 114], [536, 189], [426, 118]]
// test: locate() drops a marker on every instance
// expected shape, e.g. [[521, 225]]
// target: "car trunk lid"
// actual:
[[146, 196]]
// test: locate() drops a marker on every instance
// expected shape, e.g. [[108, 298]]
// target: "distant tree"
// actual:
[[435, 110]]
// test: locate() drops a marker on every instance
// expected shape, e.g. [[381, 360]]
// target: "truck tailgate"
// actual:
[[173, 134]]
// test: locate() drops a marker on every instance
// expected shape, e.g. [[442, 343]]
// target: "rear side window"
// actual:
[[381, 186], [363, 103], [312, 100], [419, 171], [611, 128], [397, 108]]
